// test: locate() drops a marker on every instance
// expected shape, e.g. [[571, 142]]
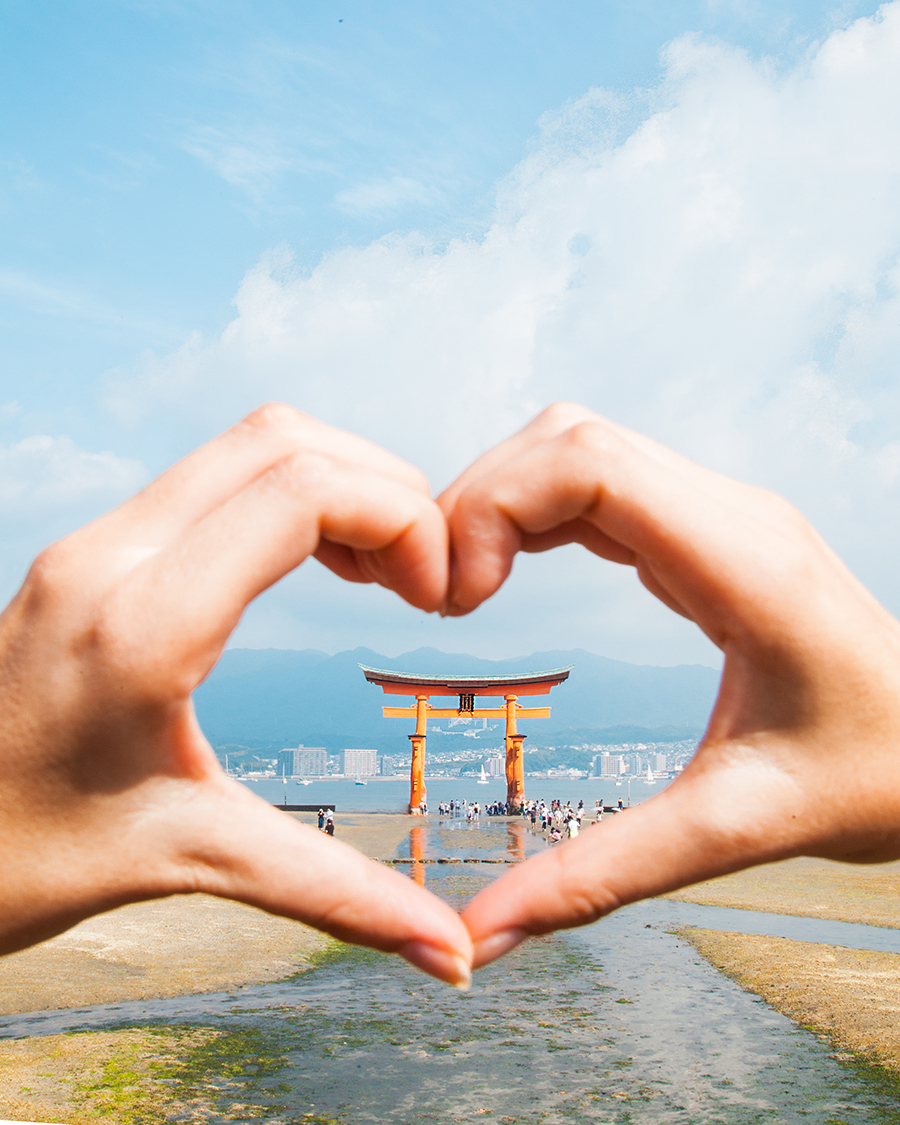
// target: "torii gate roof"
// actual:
[[417, 683]]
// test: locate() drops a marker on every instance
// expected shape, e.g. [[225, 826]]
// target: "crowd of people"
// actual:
[[467, 810], [556, 821]]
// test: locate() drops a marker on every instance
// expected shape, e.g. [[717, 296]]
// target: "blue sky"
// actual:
[[680, 213]]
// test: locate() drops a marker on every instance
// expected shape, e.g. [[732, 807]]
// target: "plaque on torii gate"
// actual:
[[466, 688]]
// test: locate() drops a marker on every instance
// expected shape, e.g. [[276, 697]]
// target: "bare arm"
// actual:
[[110, 792], [810, 688]]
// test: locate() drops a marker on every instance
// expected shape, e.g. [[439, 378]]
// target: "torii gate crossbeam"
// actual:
[[466, 688]]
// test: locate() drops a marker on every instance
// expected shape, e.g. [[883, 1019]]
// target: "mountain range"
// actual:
[[271, 698]]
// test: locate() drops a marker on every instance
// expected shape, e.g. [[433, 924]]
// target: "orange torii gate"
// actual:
[[507, 688]]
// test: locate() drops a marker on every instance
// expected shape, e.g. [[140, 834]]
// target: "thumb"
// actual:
[[243, 849], [694, 830]]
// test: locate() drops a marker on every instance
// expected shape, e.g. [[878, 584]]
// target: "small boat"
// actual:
[[483, 779], [359, 780], [650, 775], [306, 781]]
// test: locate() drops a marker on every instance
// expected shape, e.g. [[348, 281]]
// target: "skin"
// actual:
[[810, 688], [111, 794]]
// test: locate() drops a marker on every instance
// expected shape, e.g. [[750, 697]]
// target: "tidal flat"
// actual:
[[178, 945], [814, 888], [619, 1022]]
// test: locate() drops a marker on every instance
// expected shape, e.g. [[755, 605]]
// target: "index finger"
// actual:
[[740, 561], [550, 422], [705, 824], [210, 476]]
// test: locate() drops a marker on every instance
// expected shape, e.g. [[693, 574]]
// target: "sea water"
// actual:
[[621, 1022], [392, 794]]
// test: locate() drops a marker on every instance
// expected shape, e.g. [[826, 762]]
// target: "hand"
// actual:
[[110, 792], [810, 692]]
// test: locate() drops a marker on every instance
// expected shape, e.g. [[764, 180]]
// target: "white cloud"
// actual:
[[726, 276], [18, 178], [41, 474], [380, 197], [252, 158], [70, 301]]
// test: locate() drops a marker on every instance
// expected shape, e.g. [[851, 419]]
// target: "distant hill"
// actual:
[[267, 698]]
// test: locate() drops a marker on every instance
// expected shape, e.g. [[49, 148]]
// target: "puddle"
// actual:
[[620, 1022]]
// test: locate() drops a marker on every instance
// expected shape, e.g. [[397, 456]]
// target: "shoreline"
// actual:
[[809, 888], [849, 997], [179, 945], [197, 943]]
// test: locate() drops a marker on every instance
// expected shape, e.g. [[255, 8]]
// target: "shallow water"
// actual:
[[391, 794], [620, 1022]]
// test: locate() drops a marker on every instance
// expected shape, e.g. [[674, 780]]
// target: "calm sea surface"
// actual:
[[618, 1023], [392, 794]]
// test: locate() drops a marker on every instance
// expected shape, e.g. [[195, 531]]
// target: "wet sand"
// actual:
[[55, 1078], [196, 943], [180, 945], [817, 888], [199, 944], [849, 996]]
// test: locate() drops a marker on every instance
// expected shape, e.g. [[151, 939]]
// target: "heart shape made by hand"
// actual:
[[111, 793]]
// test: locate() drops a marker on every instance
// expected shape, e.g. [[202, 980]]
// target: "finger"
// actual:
[[690, 832], [215, 472], [737, 560], [252, 853], [192, 594], [211, 835], [342, 561], [548, 424], [548, 487], [578, 531]]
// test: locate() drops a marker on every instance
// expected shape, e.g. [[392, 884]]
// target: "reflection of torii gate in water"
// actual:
[[508, 688]]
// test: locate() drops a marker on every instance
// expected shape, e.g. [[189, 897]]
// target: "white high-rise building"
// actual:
[[611, 765], [361, 763], [304, 761], [495, 766], [662, 764]]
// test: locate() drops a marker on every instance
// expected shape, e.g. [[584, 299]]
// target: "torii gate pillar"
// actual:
[[515, 761], [417, 793]]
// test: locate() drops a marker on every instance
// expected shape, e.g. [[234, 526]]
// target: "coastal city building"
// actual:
[[387, 766], [304, 761], [359, 763]]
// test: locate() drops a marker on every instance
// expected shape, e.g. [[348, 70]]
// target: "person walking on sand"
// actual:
[[321, 819], [329, 823]]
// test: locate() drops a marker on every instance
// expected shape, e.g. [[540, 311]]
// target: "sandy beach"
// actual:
[[848, 996], [179, 945], [816, 888], [196, 943]]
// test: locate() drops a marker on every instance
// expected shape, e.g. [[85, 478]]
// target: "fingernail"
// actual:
[[497, 945], [449, 967]]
